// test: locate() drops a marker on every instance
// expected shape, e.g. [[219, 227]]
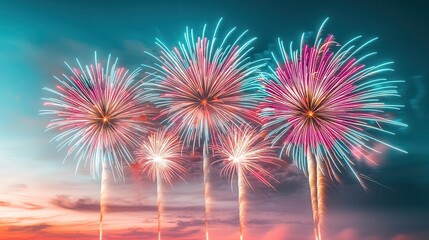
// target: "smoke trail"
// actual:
[[103, 193], [159, 200], [312, 180], [206, 166], [321, 186], [241, 201]]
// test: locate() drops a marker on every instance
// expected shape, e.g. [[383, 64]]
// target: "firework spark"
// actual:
[[323, 102], [203, 87], [160, 157], [244, 152], [99, 114]]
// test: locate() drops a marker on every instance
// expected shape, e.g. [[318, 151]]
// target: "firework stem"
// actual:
[[312, 179], [206, 165], [321, 187], [102, 195], [159, 200], [241, 201]]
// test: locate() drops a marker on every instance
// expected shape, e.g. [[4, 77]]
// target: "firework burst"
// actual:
[[203, 87], [244, 153], [160, 157], [99, 114], [323, 102]]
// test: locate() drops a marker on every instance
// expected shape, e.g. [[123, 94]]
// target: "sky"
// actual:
[[43, 198]]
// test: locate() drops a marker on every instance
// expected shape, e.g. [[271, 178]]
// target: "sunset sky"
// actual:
[[43, 198]]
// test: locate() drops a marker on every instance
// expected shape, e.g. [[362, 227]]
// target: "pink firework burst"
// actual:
[[322, 99], [322, 104], [99, 114], [206, 85]]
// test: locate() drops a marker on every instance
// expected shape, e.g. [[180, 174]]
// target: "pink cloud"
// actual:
[[353, 234], [285, 232], [276, 233], [348, 234], [402, 237]]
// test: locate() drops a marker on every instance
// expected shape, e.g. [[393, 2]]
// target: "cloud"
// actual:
[[24, 205], [132, 233], [214, 221], [90, 205], [353, 234], [184, 230], [47, 231], [348, 234], [284, 232], [191, 223], [276, 233], [18, 187], [30, 228], [82, 204], [402, 237]]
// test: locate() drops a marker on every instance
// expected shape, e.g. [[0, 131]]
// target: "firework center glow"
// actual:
[[238, 159], [310, 113], [204, 102], [158, 159]]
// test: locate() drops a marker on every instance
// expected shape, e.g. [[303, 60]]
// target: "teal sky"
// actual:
[[36, 37]]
